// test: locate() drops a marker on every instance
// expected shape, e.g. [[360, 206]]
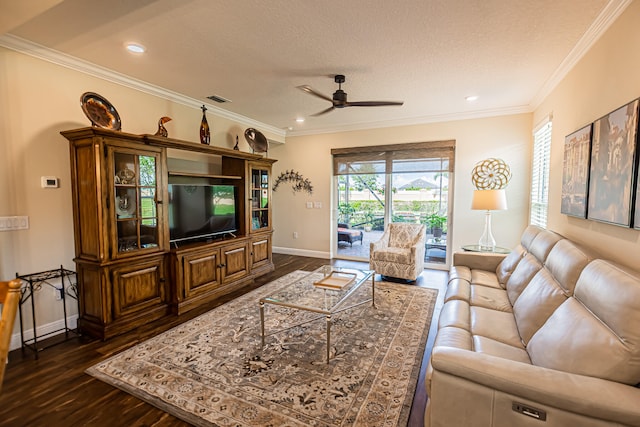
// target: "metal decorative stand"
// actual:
[[33, 283]]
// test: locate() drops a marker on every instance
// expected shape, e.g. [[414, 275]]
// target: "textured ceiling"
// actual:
[[430, 54]]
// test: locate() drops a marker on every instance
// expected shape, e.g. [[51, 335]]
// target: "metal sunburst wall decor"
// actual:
[[491, 174], [298, 182]]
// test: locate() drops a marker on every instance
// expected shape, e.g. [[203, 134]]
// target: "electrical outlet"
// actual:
[[295, 234], [57, 293]]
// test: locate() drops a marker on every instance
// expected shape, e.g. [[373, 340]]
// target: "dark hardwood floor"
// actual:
[[55, 391]]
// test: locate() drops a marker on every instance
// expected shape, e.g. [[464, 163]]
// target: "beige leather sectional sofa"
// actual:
[[547, 336]]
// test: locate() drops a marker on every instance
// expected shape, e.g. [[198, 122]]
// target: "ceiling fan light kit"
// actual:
[[339, 99]]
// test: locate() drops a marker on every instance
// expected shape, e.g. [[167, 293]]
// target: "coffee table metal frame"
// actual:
[[339, 295]]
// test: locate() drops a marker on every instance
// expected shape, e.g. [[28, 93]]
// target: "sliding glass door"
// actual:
[[380, 186]]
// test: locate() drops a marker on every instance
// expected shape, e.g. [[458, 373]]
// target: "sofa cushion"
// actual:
[[484, 278], [542, 244], [566, 261], [455, 313], [458, 289], [497, 325], [495, 299], [461, 272], [521, 276], [528, 235], [506, 267], [537, 303], [599, 325]]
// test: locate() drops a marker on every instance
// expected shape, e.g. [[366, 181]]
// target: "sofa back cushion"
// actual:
[[508, 265], [595, 333], [521, 276], [536, 304], [528, 235], [566, 261], [542, 244]]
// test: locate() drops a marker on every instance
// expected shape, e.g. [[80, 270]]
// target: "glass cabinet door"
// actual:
[[135, 190], [260, 209]]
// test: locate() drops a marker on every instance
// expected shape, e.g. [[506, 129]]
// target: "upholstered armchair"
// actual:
[[400, 251]]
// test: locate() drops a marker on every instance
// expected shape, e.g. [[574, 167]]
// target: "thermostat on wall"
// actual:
[[49, 182]]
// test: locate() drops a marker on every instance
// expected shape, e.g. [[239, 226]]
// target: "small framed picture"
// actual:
[[612, 173], [575, 172]]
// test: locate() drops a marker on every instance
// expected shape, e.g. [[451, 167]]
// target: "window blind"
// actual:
[[540, 175], [387, 158]]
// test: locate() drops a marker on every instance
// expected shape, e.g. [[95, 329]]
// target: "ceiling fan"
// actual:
[[339, 99]]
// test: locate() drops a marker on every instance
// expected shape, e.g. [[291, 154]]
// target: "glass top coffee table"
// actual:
[[327, 300]]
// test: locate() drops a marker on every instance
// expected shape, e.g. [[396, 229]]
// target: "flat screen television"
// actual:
[[198, 212]]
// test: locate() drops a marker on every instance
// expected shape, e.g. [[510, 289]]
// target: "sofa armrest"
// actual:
[[478, 260], [588, 396]]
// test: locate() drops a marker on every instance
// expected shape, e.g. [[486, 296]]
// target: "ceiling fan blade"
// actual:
[[310, 90], [324, 111], [372, 103]]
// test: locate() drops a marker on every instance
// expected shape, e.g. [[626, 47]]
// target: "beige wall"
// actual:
[[506, 137], [38, 99], [603, 80]]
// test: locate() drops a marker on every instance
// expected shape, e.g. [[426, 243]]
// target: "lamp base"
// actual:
[[487, 242]]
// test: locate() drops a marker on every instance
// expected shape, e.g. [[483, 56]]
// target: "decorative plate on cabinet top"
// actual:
[[100, 111]]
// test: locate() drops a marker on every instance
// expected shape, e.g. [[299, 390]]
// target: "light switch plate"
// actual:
[[309, 205], [317, 205]]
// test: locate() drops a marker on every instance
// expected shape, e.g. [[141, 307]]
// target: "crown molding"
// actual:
[[414, 121], [35, 50], [609, 14]]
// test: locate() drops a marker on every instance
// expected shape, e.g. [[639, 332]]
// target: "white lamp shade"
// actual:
[[489, 200]]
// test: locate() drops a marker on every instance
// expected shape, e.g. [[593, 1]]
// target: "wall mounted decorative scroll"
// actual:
[[298, 182]]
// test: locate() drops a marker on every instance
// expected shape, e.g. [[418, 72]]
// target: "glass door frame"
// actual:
[[435, 150]]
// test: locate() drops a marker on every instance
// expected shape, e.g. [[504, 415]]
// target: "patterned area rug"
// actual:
[[212, 371]]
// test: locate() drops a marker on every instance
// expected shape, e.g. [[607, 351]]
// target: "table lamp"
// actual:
[[488, 200]]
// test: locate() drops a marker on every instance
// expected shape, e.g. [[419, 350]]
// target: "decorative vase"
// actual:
[[205, 135]]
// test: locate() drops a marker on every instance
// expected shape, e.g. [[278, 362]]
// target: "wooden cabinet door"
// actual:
[[235, 262], [138, 286], [260, 251], [136, 180], [259, 197], [201, 272]]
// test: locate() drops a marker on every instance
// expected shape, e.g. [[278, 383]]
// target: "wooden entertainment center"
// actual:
[[129, 273]]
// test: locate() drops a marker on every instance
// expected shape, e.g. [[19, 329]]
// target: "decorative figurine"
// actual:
[[205, 136], [235, 147], [162, 131]]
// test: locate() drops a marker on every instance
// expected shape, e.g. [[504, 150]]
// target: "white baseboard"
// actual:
[[72, 323], [302, 252]]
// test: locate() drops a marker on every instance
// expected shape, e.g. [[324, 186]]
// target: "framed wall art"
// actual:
[[611, 173], [575, 172]]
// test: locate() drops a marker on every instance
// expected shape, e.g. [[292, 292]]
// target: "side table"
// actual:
[[478, 248], [33, 282]]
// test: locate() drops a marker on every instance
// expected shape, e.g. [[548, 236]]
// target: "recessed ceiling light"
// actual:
[[472, 98], [135, 48], [300, 120]]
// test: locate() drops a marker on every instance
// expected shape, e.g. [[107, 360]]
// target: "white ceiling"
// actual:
[[430, 54]]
